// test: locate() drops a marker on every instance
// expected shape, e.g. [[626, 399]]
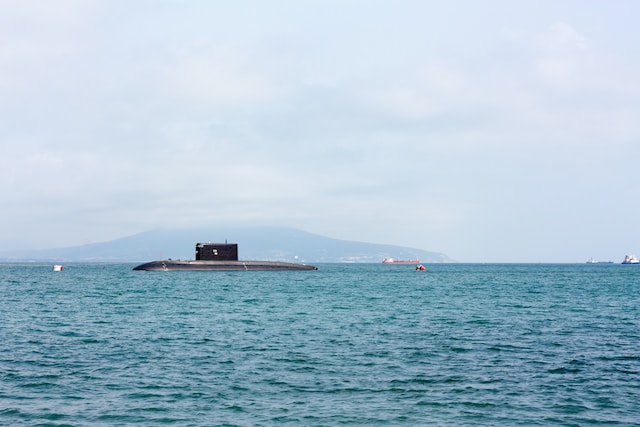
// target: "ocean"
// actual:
[[349, 344]]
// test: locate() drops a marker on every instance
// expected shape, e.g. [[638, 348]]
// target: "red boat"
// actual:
[[397, 261]]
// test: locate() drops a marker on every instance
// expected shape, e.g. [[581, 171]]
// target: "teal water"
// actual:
[[357, 344]]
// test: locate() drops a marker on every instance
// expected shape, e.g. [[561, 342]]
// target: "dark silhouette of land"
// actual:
[[254, 243]]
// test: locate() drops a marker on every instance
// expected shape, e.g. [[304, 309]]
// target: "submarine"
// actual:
[[220, 257]]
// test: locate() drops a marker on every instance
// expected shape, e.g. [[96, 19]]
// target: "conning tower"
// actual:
[[216, 252]]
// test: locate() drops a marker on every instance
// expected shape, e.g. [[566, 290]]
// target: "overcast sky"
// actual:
[[492, 131]]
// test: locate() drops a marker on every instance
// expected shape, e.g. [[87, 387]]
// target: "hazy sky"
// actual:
[[488, 130]]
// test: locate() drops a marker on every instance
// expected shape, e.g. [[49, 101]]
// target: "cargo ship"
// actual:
[[397, 261], [220, 257], [630, 259]]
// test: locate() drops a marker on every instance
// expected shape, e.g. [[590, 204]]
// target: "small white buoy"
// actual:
[[57, 267]]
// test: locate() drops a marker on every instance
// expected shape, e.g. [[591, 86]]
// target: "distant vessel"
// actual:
[[631, 259], [593, 261], [219, 257], [397, 261], [57, 267]]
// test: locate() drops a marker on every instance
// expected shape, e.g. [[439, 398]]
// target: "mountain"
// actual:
[[254, 243]]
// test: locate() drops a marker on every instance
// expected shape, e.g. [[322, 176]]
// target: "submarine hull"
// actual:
[[198, 265]]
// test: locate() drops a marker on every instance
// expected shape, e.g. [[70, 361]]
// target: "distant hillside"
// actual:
[[254, 243]]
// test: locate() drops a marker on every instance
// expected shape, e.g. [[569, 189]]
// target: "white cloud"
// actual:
[[563, 38], [217, 79], [433, 89], [565, 55]]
